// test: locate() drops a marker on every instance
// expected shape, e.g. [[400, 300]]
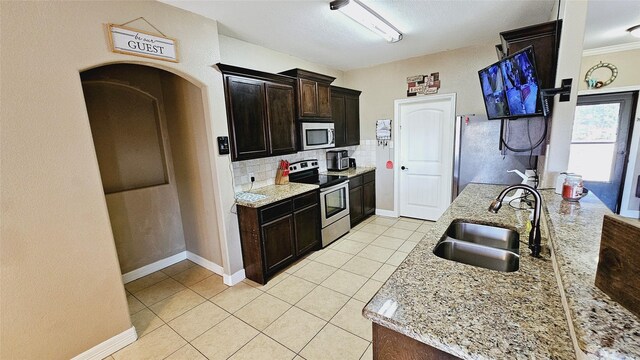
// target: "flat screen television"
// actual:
[[510, 87]]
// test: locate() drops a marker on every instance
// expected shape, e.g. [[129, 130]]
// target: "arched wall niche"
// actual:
[[159, 219]]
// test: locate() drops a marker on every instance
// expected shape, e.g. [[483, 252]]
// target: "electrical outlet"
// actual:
[[252, 177]]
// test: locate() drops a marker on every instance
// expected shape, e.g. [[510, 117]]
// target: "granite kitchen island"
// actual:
[[476, 313]]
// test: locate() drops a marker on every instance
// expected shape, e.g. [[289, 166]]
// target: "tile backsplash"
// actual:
[[264, 170]]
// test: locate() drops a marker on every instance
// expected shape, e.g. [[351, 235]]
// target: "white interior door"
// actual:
[[425, 163]]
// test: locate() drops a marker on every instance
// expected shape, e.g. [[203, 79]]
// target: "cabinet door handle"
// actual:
[[404, 168]]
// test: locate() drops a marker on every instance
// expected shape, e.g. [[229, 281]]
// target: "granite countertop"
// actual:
[[603, 328], [351, 172], [471, 312], [276, 193]]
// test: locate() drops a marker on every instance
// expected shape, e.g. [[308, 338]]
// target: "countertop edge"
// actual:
[[352, 172], [277, 193], [588, 342]]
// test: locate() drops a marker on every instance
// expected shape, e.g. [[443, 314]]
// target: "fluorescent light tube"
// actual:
[[367, 18]]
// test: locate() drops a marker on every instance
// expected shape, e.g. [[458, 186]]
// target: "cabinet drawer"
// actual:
[[369, 177], [355, 181], [275, 211], [305, 200]]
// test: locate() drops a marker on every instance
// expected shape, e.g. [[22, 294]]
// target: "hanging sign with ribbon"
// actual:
[[130, 41]]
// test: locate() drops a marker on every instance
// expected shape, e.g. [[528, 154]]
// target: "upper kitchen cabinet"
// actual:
[[345, 110], [544, 39], [313, 100], [260, 113]]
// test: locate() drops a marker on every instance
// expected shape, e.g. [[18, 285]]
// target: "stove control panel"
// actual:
[[303, 165]]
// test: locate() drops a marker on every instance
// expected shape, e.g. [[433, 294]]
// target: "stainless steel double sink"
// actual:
[[485, 246]]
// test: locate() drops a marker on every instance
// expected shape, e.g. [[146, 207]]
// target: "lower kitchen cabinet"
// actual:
[[356, 208], [279, 242], [362, 197], [390, 345], [275, 235], [307, 225]]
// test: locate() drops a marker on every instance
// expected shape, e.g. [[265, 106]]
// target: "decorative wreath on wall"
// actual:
[[594, 83]]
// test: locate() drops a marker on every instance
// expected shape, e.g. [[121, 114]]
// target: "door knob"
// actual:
[[404, 168]]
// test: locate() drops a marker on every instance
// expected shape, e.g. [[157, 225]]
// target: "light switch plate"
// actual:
[[223, 145]]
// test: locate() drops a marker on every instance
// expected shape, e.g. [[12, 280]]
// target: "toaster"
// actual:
[[337, 160]]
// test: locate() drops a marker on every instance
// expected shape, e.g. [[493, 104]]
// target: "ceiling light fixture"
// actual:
[[635, 31], [367, 18]]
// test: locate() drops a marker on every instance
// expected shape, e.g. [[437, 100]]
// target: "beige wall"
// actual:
[[61, 287], [383, 84], [146, 221], [241, 53], [125, 125], [628, 70], [185, 121]]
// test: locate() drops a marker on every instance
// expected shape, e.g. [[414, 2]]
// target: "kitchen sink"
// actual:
[[487, 235], [484, 246], [478, 255]]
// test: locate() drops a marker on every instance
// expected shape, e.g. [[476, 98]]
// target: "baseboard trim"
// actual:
[[210, 265], [387, 213], [235, 278], [207, 264], [109, 346], [153, 267], [227, 279]]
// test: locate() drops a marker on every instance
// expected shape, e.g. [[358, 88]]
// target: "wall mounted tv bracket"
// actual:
[[564, 91]]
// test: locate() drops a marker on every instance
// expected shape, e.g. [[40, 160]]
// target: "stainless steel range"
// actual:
[[334, 198]]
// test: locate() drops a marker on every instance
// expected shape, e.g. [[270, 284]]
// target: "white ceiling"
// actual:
[[608, 21], [311, 31]]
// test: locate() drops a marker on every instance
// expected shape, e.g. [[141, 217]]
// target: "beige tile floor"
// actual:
[[311, 310]]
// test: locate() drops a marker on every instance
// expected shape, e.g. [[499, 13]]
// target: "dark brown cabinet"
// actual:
[[260, 113], [307, 227], [369, 197], [362, 197], [281, 119], [543, 37], [356, 208], [389, 344], [313, 94], [324, 100], [545, 43], [279, 242], [275, 235], [345, 110], [248, 124]]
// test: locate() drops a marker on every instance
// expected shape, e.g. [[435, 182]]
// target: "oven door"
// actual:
[[334, 202], [317, 136]]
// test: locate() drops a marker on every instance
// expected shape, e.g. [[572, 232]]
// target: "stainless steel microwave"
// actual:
[[317, 135]]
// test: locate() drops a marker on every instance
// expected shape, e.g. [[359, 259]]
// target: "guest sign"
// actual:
[[129, 41]]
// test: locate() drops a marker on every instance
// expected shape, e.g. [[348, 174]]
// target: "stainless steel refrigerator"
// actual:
[[477, 154]]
